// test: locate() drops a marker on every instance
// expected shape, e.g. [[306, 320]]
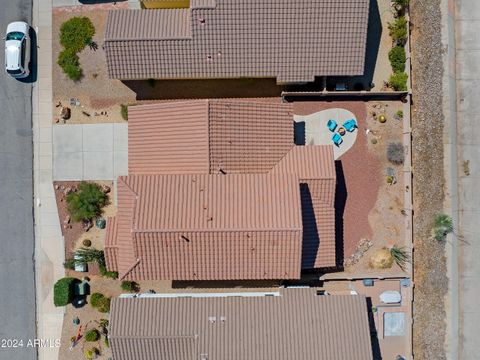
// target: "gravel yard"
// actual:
[[427, 122]]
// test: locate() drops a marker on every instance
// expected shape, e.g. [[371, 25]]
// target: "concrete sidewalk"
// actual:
[[90, 151], [49, 245]]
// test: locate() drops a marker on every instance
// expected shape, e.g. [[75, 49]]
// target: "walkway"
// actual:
[[90, 151], [49, 252]]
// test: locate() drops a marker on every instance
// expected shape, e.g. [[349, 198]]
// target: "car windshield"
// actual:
[[14, 35], [14, 72]]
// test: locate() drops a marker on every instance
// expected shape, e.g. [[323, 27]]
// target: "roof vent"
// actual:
[[219, 53], [201, 21], [183, 237], [212, 319], [203, 356], [209, 57], [223, 319]]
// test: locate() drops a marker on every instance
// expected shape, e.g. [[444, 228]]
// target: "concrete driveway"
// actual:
[[90, 151]]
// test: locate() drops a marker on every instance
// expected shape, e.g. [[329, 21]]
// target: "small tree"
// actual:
[[92, 335], [76, 33], [87, 202], [398, 30], [395, 153], [91, 353], [104, 305], [442, 226], [63, 291], [397, 58], [130, 286], [87, 255], [398, 81]]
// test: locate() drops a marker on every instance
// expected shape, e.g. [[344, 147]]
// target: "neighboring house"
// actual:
[[293, 41], [218, 191], [292, 324]]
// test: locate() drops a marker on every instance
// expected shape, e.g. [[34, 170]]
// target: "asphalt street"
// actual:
[[17, 284]]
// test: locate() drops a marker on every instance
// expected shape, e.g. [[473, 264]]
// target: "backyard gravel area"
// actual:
[[427, 150]]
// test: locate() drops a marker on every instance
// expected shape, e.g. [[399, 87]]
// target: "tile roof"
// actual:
[[298, 324], [293, 41], [209, 227], [222, 135], [248, 139]]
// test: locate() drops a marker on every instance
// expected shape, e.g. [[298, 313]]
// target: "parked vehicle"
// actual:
[[17, 49]]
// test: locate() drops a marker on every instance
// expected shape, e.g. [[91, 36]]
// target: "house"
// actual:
[[283, 325], [292, 41], [218, 191]]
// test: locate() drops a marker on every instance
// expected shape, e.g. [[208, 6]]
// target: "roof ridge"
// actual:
[[129, 269], [276, 229]]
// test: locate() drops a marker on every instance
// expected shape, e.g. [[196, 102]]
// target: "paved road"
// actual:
[[17, 286], [468, 140]]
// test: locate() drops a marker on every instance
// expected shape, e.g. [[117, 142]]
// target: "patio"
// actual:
[[315, 129]]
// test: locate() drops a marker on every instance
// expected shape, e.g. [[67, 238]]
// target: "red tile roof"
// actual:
[[242, 225], [298, 324], [222, 135], [293, 41], [209, 227]]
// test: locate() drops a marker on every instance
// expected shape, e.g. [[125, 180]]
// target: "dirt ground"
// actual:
[[96, 92]]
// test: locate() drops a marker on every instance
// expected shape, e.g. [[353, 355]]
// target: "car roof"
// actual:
[[12, 55]]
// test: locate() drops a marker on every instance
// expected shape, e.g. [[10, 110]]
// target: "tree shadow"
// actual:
[[374, 34], [341, 195], [33, 65]]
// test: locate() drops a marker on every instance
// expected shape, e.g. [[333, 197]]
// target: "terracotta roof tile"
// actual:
[[293, 41], [298, 324]]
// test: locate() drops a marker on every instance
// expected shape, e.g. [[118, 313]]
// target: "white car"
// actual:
[[17, 49]]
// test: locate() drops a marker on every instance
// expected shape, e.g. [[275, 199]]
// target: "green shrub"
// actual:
[[402, 3], [396, 153], [76, 33], [399, 114], [130, 286], [95, 298], [92, 335], [63, 291], [398, 30], [87, 202], [397, 58], [68, 61], [108, 274], [401, 256], [107, 343], [69, 264], [443, 225], [91, 353], [103, 305], [398, 81], [124, 112]]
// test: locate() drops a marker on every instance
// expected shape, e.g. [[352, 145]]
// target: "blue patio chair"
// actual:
[[350, 125], [337, 139], [332, 125]]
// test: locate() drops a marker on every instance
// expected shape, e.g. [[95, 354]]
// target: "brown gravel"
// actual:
[[431, 284]]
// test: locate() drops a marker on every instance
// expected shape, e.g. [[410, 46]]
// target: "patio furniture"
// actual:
[[332, 125], [341, 131], [350, 125], [337, 139]]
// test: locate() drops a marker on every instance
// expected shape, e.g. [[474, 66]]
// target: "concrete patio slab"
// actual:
[[317, 132], [90, 151]]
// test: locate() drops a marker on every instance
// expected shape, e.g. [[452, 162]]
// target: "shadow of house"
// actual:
[[377, 355], [204, 89], [340, 202], [310, 230], [374, 35], [299, 132], [225, 284], [92, 2]]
